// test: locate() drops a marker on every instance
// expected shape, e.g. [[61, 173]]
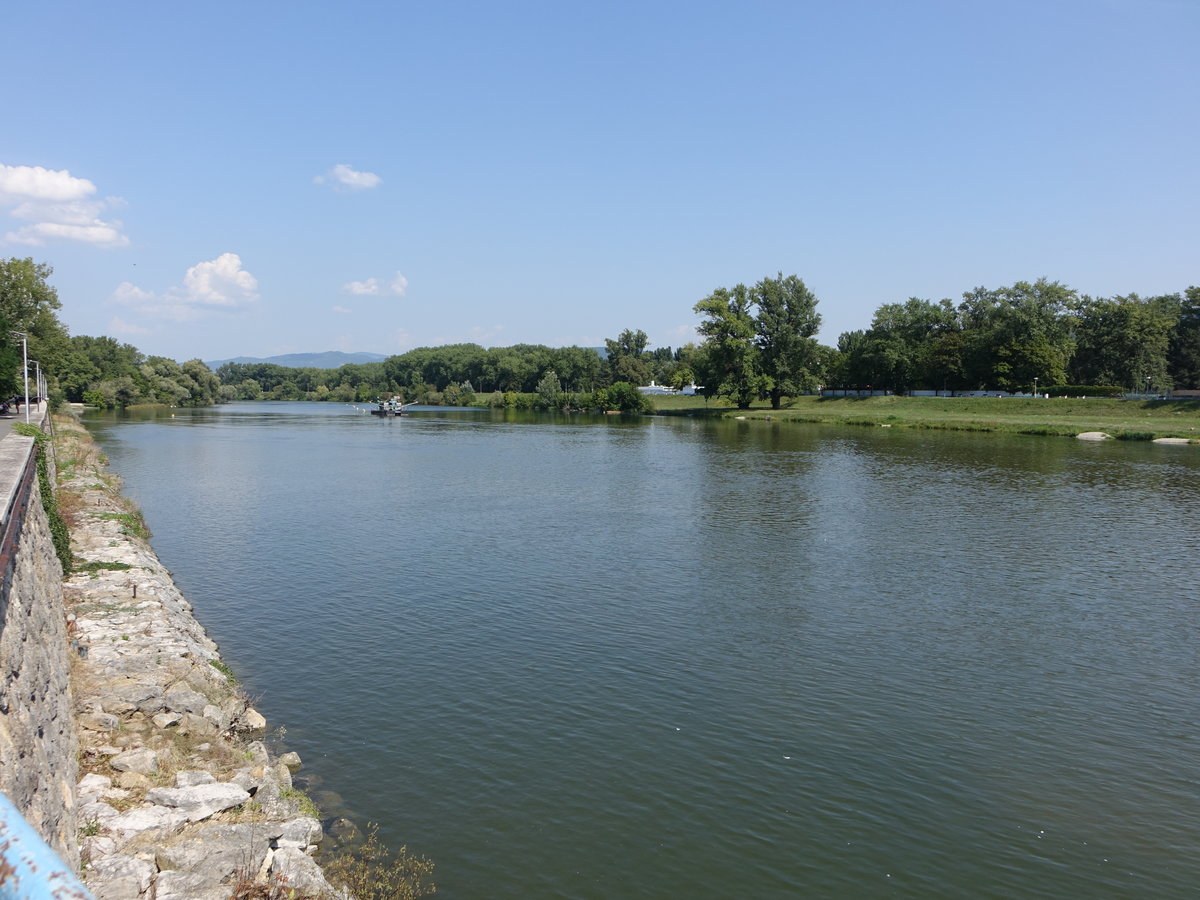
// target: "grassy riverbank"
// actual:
[[1130, 419]]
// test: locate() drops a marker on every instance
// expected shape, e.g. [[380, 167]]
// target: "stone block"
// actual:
[[201, 801], [182, 700], [299, 871], [118, 877]]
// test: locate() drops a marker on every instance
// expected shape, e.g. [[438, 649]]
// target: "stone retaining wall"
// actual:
[[38, 743]]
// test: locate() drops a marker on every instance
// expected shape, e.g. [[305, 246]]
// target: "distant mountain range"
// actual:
[[330, 359]]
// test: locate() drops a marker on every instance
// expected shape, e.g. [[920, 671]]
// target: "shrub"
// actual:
[[628, 399], [374, 873]]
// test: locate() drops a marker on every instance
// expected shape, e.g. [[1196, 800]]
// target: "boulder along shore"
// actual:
[[179, 798]]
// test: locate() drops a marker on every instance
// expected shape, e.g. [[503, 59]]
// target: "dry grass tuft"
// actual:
[[246, 888]]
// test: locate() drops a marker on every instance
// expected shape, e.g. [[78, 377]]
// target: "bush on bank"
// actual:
[[620, 397]]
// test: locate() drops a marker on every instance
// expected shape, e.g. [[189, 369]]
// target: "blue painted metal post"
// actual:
[[29, 869]]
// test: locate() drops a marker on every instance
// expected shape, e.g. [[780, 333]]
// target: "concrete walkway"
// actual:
[[37, 413]]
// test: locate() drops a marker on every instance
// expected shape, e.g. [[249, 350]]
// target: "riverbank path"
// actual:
[[37, 414]]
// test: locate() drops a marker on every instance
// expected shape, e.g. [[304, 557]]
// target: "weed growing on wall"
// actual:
[[58, 528]]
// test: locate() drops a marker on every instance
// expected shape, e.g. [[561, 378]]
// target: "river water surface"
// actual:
[[665, 657]]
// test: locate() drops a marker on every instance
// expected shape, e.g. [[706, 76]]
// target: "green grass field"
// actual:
[[1129, 419]]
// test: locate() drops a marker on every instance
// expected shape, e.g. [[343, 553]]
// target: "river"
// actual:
[[591, 657]]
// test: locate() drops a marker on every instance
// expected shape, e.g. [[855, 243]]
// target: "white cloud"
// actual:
[[219, 283], [343, 178], [46, 185], [57, 206], [341, 309], [118, 325], [373, 287], [130, 294], [370, 287]]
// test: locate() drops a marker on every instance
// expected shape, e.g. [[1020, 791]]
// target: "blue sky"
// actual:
[[254, 178]]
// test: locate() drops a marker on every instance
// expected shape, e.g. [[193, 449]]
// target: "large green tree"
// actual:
[[915, 344], [626, 355], [1013, 335], [732, 361], [785, 328], [28, 304], [1124, 341], [1183, 354]]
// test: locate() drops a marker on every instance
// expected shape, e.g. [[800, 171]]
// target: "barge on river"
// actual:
[[392, 407]]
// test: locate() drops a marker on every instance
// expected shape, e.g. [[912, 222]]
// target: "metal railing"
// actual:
[[29, 869]]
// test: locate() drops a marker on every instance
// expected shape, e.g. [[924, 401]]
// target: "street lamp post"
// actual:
[[25, 369], [1147, 384], [1035, 393]]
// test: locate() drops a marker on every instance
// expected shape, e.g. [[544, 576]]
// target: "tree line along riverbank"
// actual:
[[1063, 416]]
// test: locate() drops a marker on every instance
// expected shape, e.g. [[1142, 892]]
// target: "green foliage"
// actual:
[[627, 398], [132, 523], [1124, 340], [759, 342], [27, 304], [785, 329], [457, 372], [550, 392], [101, 372], [909, 345], [626, 357], [1018, 333], [1183, 348], [100, 566], [224, 670], [731, 363], [59, 533], [1005, 338], [374, 873], [304, 802]]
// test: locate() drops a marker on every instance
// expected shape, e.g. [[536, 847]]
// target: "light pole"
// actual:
[[1035, 393], [1147, 384], [37, 380], [25, 369]]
